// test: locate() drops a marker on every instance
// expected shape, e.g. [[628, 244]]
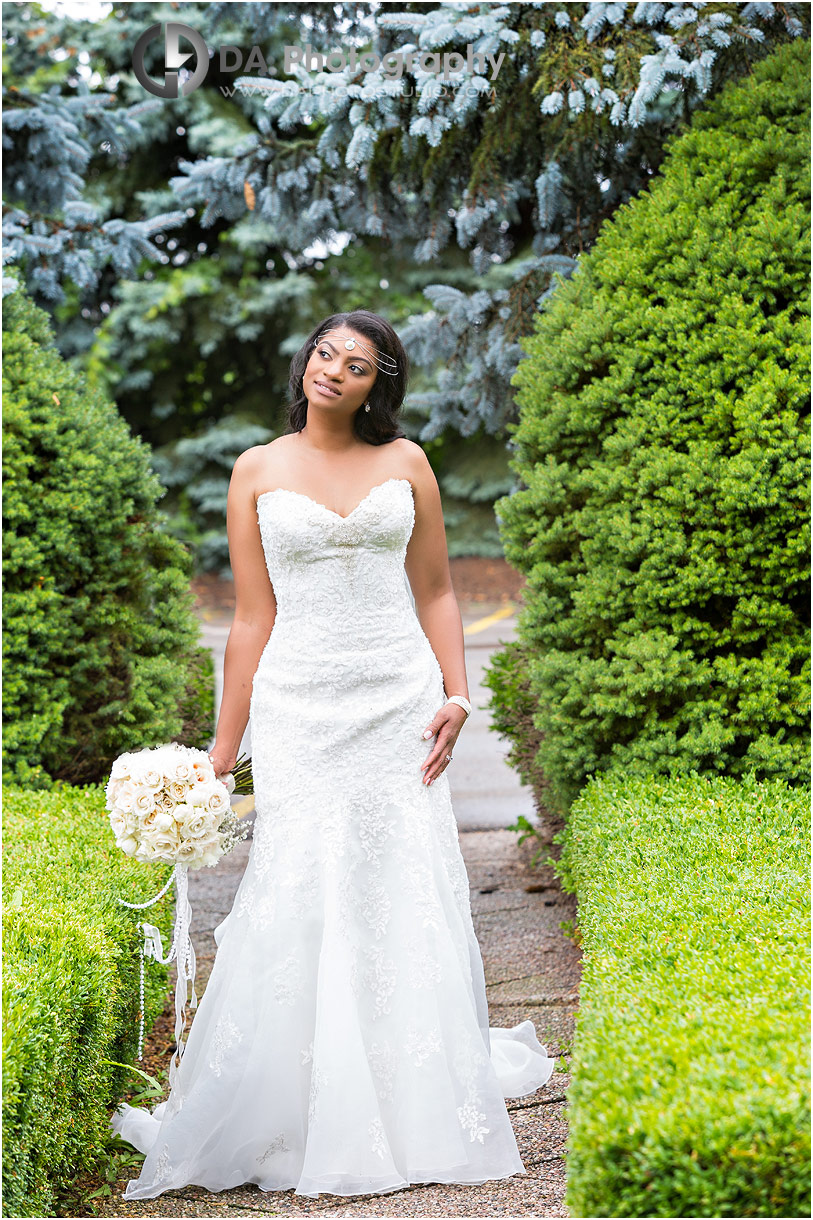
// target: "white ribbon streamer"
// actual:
[[182, 951]]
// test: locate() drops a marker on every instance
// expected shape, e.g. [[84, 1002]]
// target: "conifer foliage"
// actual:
[[663, 524], [99, 633], [519, 167]]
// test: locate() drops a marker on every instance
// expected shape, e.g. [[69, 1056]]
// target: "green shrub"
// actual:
[[99, 629], [197, 704], [70, 985], [513, 718], [663, 443], [690, 1093]]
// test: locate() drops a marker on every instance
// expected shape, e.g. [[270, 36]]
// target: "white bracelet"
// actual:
[[461, 701]]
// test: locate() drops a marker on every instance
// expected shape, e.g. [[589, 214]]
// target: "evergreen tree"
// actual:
[[195, 351], [54, 232], [522, 166], [520, 169], [100, 638], [664, 525]]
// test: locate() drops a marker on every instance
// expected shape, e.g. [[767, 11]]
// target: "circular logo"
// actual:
[[174, 58]]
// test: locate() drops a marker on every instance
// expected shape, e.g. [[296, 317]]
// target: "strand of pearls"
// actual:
[[142, 927]]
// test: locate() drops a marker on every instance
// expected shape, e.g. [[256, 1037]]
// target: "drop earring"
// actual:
[[366, 406]]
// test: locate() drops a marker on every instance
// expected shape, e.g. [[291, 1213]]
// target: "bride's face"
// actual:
[[336, 374]]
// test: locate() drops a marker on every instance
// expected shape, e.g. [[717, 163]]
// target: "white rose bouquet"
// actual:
[[166, 804]]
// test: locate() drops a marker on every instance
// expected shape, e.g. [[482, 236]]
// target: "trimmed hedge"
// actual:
[[100, 639], [70, 986], [663, 444], [690, 1093]]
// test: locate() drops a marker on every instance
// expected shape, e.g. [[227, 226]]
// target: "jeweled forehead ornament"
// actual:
[[382, 361]]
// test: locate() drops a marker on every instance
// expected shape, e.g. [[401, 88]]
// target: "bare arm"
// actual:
[[254, 614], [427, 566]]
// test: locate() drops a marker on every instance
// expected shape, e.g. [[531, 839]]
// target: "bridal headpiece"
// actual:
[[382, 361]]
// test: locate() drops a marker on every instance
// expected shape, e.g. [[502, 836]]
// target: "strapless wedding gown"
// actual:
[[342, 1043]]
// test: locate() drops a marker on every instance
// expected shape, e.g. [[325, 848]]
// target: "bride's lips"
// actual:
[[326, 389]]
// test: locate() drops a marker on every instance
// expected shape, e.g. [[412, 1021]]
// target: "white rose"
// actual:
[[218, 801], [121, 767], [119, 824], [164, 821], [183, 811], [152, 778], [165, 845], [149, 820], [129, 844], [209, 843], [210, 849], [183, 771], [126, 796], [144, 803], [187, 851], [177, 790], [146, 835], [198, 826]]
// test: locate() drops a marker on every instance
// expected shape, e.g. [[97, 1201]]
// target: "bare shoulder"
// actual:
[[252, 467], [415, 461], [246, 465], [402, 444]]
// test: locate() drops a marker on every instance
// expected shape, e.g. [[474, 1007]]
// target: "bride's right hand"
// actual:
[[222, 761]]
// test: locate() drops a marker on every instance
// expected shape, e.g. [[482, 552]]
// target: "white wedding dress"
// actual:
[[342, 1043]]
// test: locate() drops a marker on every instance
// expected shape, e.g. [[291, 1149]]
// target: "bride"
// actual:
[[342, 1045]]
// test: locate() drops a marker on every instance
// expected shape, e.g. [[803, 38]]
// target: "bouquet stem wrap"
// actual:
[[182, 952]]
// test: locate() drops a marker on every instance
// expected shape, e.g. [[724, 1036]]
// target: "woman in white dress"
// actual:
[[342, 1044]]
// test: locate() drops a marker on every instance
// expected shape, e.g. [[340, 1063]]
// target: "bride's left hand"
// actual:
[[447, 724]]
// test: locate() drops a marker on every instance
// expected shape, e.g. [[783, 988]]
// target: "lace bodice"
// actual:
[[363, 593]]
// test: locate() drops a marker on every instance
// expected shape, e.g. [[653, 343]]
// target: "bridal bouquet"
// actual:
[[166, 804]]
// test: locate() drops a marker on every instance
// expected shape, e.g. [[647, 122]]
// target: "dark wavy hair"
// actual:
[[380, 424]]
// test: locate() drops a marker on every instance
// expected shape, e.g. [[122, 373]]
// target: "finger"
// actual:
[[438, 750], [443, 743], [435, 765], [432, 774], [435, 725]]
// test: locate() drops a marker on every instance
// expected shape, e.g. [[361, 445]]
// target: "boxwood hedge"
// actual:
[[691, 1091], [70, 985]]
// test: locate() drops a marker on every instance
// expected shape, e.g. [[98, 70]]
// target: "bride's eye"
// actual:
[[359, 370]]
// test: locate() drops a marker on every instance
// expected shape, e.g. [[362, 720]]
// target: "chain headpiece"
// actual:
[[383, 362]]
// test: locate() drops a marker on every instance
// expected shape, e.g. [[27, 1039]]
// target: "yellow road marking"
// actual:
[[244, 806], [480, 624]]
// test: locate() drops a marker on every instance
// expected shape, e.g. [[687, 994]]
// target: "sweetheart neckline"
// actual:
[[333, 513]]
